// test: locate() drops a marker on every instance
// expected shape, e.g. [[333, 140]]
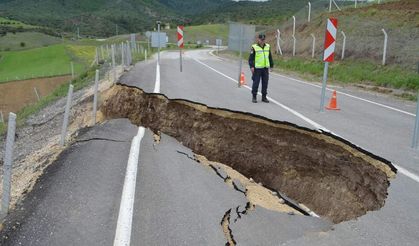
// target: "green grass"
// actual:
[[46, 61], [14, 23], [83, 80], [355, 72], [202, 33], [26, 40]]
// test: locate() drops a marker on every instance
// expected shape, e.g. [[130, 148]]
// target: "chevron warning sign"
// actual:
[[180, 37], [330, 40]]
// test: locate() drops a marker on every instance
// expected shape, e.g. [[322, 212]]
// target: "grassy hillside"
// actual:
[[14, 23], [26, 40], [45, 61], [363, 28], [259, 13], [202, 33], [99, 17]]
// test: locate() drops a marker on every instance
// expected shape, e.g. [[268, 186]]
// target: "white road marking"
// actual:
[[348, 95], [311, 122], [407, 173], [126, 208]]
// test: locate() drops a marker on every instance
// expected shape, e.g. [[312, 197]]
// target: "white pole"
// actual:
[[113, 55], [279, 50], [158, 39], [385, 46], [337, 6], [95, 96], [37, 94], [356, 3], [343, 45], [294, 45], [145, 55], [72, 70], [66, 115], [122, 55], [313, 51], [323, 94], [293, 28], [7, 166], [102, 52], [309, 11], [330, 6]]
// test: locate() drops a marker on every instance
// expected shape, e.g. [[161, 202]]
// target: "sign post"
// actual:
[[416, 130], [158, 37], [329, 54], [180, 44], [218, 42]]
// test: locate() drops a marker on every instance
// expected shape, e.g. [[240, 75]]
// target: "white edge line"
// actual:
[[340, 92], [313, 123], [126, 208], [407, 173], [349, 95]]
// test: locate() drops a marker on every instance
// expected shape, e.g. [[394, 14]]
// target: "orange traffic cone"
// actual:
[[333, 104], [242, 79]]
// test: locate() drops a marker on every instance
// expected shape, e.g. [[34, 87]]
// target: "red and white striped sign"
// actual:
[[330, 40], [180, 37]]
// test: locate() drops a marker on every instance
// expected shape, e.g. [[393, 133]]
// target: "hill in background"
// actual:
[[100, 17]]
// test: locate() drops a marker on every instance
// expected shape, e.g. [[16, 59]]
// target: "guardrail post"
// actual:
[[95, 95], [113, 55], [66, 115], [385, 46], [343, 44], [123, 55], [37, 94], [313, 50], [7, 166], [309, 12], [72, 70], [278, 44]]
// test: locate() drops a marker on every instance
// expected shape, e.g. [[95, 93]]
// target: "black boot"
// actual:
[[254, 99], [264, 99]]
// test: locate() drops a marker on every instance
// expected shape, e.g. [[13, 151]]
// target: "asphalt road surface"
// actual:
[[180, 202]]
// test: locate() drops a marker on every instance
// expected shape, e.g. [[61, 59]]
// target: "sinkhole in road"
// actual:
[[336, 179]]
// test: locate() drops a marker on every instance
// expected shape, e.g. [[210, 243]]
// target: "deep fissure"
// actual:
[[330, 175]]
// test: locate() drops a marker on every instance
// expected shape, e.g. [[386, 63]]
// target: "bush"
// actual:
[[22, 44]]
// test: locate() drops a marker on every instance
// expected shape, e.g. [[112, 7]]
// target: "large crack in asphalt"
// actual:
[[335, 178]]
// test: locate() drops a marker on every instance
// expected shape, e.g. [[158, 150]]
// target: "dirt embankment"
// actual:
[[17, 94], [332, 177]]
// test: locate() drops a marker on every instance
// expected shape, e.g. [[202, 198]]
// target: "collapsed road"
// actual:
[[183, 198], [334, 178]]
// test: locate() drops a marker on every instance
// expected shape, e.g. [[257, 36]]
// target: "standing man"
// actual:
[[260, 62]]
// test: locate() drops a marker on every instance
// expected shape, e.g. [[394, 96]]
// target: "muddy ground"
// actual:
[[334, 178], [17, 94]]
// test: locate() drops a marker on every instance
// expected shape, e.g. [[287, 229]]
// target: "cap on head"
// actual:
[[262, 36]]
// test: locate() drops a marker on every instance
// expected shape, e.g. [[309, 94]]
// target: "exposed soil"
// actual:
[[17, 94], [37, 142], [331, 176]]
